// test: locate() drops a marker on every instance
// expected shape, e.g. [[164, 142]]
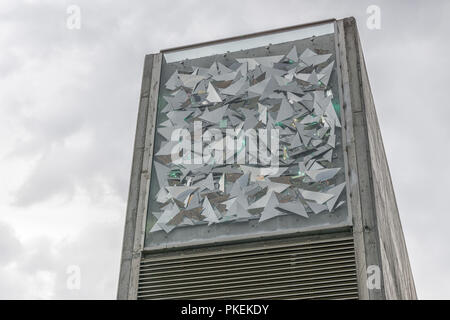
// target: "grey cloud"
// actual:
[[10, 246], [95, 251], [407, 63]]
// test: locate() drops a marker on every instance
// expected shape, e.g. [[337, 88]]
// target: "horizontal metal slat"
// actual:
[[237, 271], [290, 263], [282, 277], [252, 287], [297, 273], [219, 260], [313, 290], [246, 251], [309, 270]]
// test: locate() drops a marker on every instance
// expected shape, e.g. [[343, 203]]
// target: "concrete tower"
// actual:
[[259, 172]]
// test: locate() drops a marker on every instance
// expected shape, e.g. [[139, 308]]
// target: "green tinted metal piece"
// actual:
[[337, 108], [223, 123]]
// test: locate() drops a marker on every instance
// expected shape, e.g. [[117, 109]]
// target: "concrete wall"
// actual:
[[383, 241], [135, 182]]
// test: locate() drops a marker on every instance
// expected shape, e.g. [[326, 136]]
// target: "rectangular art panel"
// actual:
[[248, 144]]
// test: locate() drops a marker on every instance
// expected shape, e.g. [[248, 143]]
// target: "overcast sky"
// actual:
[[68, 107]]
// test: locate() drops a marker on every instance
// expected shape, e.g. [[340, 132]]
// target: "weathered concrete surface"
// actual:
[[135, 182], [384, 243]]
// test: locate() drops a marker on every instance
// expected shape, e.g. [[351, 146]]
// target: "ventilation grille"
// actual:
[[312, 270]]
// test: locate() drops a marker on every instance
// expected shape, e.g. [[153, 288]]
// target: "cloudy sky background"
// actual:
[[68, 108]]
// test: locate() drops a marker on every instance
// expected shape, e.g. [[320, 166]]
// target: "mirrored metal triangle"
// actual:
[[213, 96], [318, 197], [294, 207], [336, 192]]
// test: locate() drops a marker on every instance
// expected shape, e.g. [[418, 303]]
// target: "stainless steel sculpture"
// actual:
[[288, 93]]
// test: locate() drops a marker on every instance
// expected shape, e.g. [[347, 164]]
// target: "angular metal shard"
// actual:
[[178, 117], [293, 55], [194, 201], [213, 96], [211, 215], [326, 73], [207, 183], [316, 208], [162, 196], [223, 69], [285, 111], [259, 87], [174, 81], [313, 79], [318, 197], [273, 186], [189, 80], [307, 54], [249, 62], [225, 76], [239, 210], [268, 61], [214, 116], [222, 183], [328, 156], [322, 174], [331, 113], [235, 87], [336, 192], [316, 59], [165, 217], [262, 109], [294, 207], [167, 148], [270, 210], [166, 132], [180, 192]]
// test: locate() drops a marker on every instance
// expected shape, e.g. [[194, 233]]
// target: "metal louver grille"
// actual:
[[323, 269]]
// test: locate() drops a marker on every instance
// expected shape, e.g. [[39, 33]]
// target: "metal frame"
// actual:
[[250, 245], [246, 36], [251, 238], [269, 235]]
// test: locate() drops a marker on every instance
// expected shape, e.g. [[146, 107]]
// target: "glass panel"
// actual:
[[251, 42], [248, 144]]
